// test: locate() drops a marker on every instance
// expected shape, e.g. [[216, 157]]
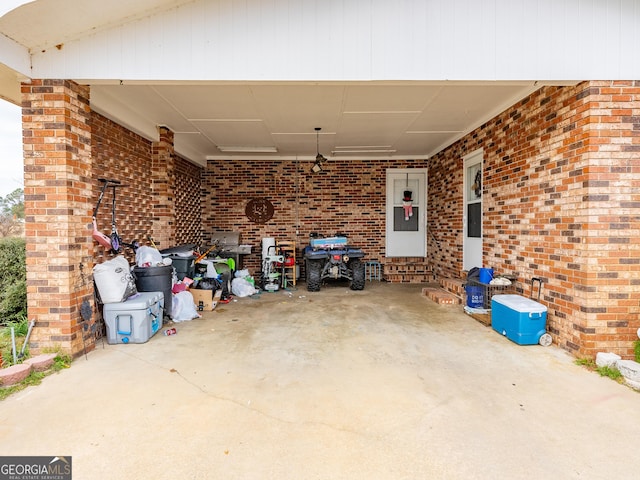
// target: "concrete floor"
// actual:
[[378, 384]]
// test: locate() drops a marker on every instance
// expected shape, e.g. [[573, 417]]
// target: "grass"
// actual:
[[20, 330], [590, 364], [60, 362]]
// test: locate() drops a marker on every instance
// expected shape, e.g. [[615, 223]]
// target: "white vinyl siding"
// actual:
[[342, 40]]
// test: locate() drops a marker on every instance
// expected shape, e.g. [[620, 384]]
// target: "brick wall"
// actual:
[[348, 197], [188, 202], [162, 183], [561, 172], [122, 155], [67, 147], [444, 210], [610, 297], [57, 184], [147, 195]]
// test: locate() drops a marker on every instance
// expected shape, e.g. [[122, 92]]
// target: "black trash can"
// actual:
[[156, 279]]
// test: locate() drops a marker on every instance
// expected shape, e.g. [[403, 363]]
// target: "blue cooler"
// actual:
[[520, 319]]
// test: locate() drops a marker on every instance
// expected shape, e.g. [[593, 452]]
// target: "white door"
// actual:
[[406, 212], [472, 215]]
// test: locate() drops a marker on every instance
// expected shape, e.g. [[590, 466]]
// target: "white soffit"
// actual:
[[281, 117]]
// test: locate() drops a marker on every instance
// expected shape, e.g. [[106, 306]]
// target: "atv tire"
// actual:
[[357, 272], [314, 275]]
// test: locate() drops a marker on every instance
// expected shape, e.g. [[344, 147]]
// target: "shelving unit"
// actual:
[[287, 248]]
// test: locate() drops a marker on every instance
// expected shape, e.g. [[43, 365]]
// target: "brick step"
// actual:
[[409, 278], [408, 270], [440, 296], [454, 286], [16, 373]]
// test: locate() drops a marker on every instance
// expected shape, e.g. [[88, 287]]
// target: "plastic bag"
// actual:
[[242, 273], [242, 288], [208, 284], [114, 280], [183, 307], [211, 269], [148, 257]]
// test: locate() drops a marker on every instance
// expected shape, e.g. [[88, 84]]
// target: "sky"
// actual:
[[11, 162]]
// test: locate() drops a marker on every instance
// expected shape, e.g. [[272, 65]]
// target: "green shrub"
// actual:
[[636, 350], [13, 280], [20, 330]]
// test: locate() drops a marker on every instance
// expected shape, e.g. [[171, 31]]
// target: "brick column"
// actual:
[[57, 187], [163, 186], [609, 295]]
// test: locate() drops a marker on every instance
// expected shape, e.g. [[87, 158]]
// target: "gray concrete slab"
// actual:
[[378, 384]]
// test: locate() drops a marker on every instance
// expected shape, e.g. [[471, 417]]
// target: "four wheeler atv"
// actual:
[[332, 258]]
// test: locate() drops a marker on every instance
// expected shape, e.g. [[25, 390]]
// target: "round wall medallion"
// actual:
[[259, 210]]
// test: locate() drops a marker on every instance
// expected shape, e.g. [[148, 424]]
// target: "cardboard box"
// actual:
[[208, 298]]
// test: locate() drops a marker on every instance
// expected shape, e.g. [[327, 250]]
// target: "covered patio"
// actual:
[[200, 106]]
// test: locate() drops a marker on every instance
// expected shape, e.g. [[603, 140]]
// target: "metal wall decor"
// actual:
[[259, 210]]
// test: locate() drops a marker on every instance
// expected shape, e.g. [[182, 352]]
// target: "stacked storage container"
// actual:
[[136, 319]]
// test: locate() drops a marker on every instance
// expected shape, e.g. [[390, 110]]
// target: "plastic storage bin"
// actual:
[[136, 319], [184, 265], [520, 319]]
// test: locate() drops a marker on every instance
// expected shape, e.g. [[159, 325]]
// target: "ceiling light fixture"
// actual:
[[317, 166], [240, 149], [371, 150]]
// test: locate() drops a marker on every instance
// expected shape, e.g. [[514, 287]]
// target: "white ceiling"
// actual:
[[358, 119]]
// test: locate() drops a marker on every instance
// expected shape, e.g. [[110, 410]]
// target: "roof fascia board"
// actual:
[[217, 40], [15, 56]]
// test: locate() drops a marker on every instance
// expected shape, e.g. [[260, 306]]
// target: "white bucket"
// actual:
[[268, 245]]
